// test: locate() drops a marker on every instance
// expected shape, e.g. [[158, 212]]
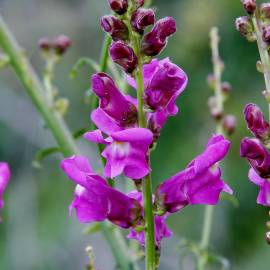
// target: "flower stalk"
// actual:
[[58, 128]]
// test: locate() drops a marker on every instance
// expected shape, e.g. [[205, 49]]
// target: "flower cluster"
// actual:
[[255, 150], [126, 145], [4, 179]]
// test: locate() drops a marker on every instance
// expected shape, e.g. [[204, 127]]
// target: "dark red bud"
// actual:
[[61, 44], [124, 56], [244, 26], [229, 124], [44, 44], [249, 5], [119, 6], [266, 34], [226, 88], [139, 3], [142, 18], [214, 109], [115, 27]]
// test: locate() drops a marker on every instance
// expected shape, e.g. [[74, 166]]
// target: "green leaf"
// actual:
[[40, 155]]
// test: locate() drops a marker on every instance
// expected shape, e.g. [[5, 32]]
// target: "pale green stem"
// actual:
[[263, 54], [209, 210], [57, 126]]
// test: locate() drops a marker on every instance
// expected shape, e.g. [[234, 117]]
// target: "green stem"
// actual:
[[263, 51], [150, 260], [209, 210], [57, 126]]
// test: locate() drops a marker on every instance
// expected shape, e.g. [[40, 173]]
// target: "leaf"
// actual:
[[81, 63], [40, 155]]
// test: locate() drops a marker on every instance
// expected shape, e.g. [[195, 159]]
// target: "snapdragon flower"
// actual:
[[4, 179]]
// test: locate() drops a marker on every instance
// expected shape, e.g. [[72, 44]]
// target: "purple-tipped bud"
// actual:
[[124, 56], [214, 108], [257, 156], [249, 5], [244, 26], [142, 18], [44, 44], [119, 6], [156, 40], [115, 27], [266, 34], [229, 124], [139, 3], [256, 122], [226, 88], [265, 10], [61, 44]]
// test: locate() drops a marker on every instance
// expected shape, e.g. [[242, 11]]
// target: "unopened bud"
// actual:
[[142, 18], [266, 94], [265, 10], [119, 6], [249, 5], [211, 80], [44, 44], [267, 238], [124, 56], [62, 105], [226, 88], [139, 3], [259, 66], [229, 124], [215, 111], [115, 27], [245, 27], [266, 34], [61, 44]]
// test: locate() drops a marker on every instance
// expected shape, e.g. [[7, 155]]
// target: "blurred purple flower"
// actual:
[[95, 200], [264, 184], [156, 40], [125, 151], [115, 111], [199, 183], [256, 122], [257, 156], [4, 179], [161, 229]]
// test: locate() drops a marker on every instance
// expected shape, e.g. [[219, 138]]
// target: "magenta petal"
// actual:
[[104, 122], [264, 194], [95, 136], [255, 178], [4, 179]]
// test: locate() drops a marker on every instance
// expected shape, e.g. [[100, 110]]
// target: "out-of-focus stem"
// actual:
[[57, 126], [262, 47], [209, 210]]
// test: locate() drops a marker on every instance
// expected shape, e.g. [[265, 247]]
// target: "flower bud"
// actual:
[[267, 238], [229, 124], [119, 6], [256, 122], [245, 27], [214, 109], [266, 34], [139, 3], [44, 44], [257, 156], [156, 40], [124, 56], [226, 88], [211, 80], [265, 10], [142, 18], [115, 27], [249, 5], [61, 44]]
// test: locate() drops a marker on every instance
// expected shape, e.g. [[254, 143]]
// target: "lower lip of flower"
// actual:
[[120, 149]]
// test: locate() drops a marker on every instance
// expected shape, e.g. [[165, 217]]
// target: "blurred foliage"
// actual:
[[37, 232]]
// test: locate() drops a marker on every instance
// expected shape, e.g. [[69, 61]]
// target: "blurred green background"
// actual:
[[37, 233]]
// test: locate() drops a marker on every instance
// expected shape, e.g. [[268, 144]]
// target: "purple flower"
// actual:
[[125, 151], [61, 44], [161, 229], [264, 184], [156, 40], [124, 56], [119, 6], [256, 122], [94, 200], [115, 111], [142, 18], [4, 179], [163, 83], [199, 183], [257, 156], [115, 27]]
